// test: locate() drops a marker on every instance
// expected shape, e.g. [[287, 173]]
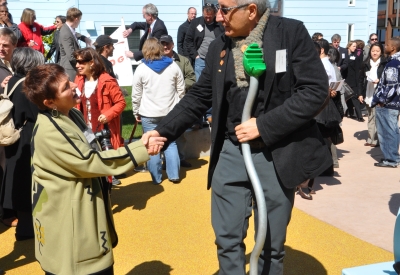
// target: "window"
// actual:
[[350, 32], [133, 39], [352, 3]]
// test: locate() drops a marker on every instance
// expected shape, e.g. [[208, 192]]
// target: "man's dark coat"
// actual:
[[293, 98], [159, 29]]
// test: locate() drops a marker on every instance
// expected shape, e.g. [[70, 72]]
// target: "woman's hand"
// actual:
[[102, 119], [138, 118], [129, 54], [376, 81], [361, 99], [31, 43], [5, 81], [332, 93]]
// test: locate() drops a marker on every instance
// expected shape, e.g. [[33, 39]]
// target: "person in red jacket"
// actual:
[[102, 99], [32, 32]]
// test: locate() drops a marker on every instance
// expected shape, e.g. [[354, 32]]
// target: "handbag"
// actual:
[[329, 116], [348, 91], [337, 135]]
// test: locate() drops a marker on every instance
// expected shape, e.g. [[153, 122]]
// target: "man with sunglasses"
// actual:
[[201, 32], [286, 146]]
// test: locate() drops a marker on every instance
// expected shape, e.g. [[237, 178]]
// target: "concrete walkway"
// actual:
[[360, 199]]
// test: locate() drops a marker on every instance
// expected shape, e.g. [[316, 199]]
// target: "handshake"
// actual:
[[153, 142]]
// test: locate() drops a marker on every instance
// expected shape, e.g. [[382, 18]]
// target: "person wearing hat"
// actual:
[[189, 78], [105, 48]]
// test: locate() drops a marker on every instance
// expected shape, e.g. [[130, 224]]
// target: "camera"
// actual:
[[104, 138]]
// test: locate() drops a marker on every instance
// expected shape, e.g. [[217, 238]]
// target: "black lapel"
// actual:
[[221, 55], [273, 41]]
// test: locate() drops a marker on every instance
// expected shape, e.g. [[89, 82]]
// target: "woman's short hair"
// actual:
[[24, 59], [360, 44], [62, 18], [89, 54], [324, 45], [333, 55], [42, 82], [27, 15], [152, 49]]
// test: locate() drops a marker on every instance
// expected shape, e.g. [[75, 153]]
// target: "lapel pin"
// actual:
[[221, 62], [219, 71], [223, 54]]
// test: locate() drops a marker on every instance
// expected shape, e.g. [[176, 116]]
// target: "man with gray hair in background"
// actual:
[[286, 146], [153, 27]]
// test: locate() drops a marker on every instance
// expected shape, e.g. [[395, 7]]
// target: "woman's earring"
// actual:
[[54, 112]]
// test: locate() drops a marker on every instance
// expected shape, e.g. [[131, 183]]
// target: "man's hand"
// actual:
[[138, 118], [153, 142], [361, 99], [332, 93], [88, 42], [129, 54], [127, 32], [247, 130], [5, 81], [4, 18]]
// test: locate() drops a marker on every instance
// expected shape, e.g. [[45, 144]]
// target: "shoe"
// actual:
[[122, 176], [185, 163], [303, 195], [383, 164], [11, 222], [115, 181], [175, 180], [374, 145], [367, 144], [361, 120], [311, 191]]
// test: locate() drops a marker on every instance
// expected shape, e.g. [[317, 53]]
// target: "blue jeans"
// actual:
[[171, 155], [388, 134], [199, 65]]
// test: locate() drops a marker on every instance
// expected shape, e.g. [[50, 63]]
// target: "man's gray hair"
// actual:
[[10, 34], [151, 9], [24, 59], [336, 37], [262, 5]]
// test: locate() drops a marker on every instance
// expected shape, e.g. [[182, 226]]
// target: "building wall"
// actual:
[[334, 16]]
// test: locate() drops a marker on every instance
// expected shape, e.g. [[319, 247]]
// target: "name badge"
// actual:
[[200, 28], [343, 55], [34, 29], [352, 57], [280, 62]]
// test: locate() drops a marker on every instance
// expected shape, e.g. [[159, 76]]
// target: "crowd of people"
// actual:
[[68, 110]]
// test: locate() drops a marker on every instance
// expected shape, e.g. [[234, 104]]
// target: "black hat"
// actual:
[[166, 38], [103, 40]]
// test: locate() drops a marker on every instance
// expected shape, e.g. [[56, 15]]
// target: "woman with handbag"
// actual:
[[353, 80], [371, 73]]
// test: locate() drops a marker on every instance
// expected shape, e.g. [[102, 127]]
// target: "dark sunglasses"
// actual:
[[226, 10], [82, 61], [374, 39]]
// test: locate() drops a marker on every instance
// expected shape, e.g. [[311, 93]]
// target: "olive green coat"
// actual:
[[74, 227]]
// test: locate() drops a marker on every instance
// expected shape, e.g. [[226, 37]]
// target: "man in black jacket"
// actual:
[[201, 32], [153, 27], [192, 12], [344, 55], [286, 145], [104, 45]]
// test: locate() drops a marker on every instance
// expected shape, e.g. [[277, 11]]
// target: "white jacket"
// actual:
[[155, 94]]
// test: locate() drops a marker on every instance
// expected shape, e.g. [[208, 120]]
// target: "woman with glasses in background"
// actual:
[[373, 38]]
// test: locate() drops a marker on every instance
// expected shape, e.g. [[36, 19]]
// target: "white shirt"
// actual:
[[330, 71]]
